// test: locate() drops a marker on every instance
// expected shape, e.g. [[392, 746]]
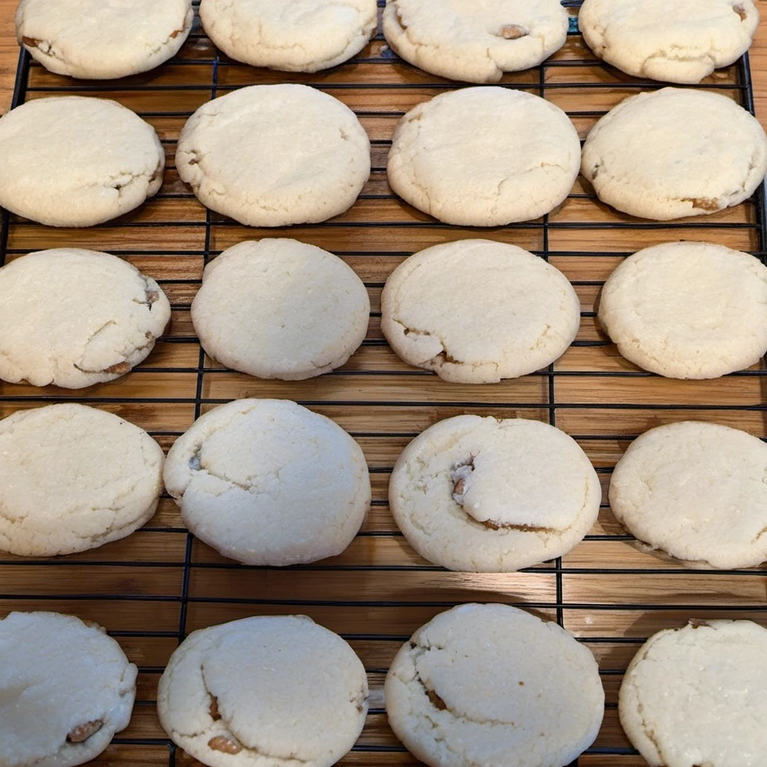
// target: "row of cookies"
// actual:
[[473, 311], [268, 482], [467, 40], [481, 684], [485, 156]]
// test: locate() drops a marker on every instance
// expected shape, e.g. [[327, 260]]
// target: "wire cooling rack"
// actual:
[[153, 588]]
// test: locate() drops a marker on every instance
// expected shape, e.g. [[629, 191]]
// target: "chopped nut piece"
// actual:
[[741, 11], [214, 712], [436, 701], [119, 368], [83, 731], [513, 32], [31, 41], [224, 745], [703, 203]]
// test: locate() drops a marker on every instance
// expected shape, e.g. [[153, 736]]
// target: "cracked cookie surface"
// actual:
[[102, 39], [76, 160], [674, 153], [485, 156], [309, 162], [475, 40], [477, 311], [687, 309], [279, 308], [697, 492], [73, 478], [299, 36], [74, 317], [488, 684], [268, 482], [678, 42], [697, 695], [65, 689], [481, 495], [264, 692]]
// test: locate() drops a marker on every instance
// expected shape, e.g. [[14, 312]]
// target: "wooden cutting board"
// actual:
[[160, 583]]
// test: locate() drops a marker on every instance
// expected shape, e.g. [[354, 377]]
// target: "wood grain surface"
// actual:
[[159, 584]]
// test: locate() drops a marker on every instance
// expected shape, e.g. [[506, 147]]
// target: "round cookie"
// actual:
[[102, 40], [674, 153], [687, 309], [264, 691], [678, 42], [73, 478], [66, 688], [481, 495], [696, 492], [477, 311], [77, 161], [268, 482], [484, 157], [308, 163], [279, 308], [475, 40], [299, 36], [697, 695], [73, 317], [493, 685]]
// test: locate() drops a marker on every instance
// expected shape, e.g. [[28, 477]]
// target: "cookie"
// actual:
[[101, 40], [696, 696], [77, 161], [482, 495], [475, 40], [679, 42], [73, 317], [299, 36], [493, 685], [696, 492], [264, 691], [674, 153], [477, 311], [279, 308], [268, 482], [66, 688], [687, 309], [484, 157], [73, 478], [309, 162]]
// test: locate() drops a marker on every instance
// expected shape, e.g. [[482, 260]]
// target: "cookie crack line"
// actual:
[[438, 703]]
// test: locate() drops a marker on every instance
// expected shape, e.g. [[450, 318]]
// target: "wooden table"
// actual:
[[379, 590]]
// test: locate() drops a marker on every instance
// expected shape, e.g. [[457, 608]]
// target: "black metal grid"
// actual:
[[184, 599]]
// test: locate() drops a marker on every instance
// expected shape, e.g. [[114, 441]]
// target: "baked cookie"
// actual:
[[696, 696], [268, 482], [475, 40], [279, 308], [73, 478], [477, 311], [678, 42], [73, 317], [687, 309], [65, 689], [274, 155], [298, 36], [101, 40], [696, 492], [493, 685], [77, 161], [674, 153], [482, 495], [264, 691], [484, 157]]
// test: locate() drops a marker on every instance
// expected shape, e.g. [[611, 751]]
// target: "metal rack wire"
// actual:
[[153, 588]]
